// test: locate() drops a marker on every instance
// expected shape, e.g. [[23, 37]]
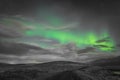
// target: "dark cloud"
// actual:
[[16, 48]]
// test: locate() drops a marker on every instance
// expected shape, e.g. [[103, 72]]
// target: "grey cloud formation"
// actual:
[[12, 59], [7, 31], [36, 41], [41, 58], [11, 27]]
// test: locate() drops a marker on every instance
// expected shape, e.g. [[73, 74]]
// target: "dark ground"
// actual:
[[62, 70]]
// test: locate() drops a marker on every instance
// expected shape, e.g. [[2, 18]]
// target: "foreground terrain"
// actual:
[[61, 70]]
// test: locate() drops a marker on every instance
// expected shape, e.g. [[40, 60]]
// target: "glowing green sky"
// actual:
[[80, 38]]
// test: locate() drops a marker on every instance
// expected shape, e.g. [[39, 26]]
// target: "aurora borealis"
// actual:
[[59, 29], [80, 38]]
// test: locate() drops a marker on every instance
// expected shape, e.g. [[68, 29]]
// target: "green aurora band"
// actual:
[[81, 39]]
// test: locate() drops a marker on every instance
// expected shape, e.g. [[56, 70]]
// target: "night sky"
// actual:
[[50, 23], [106, 10]]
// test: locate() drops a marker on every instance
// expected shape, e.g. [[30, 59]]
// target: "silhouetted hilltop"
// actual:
[[56, 70]]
